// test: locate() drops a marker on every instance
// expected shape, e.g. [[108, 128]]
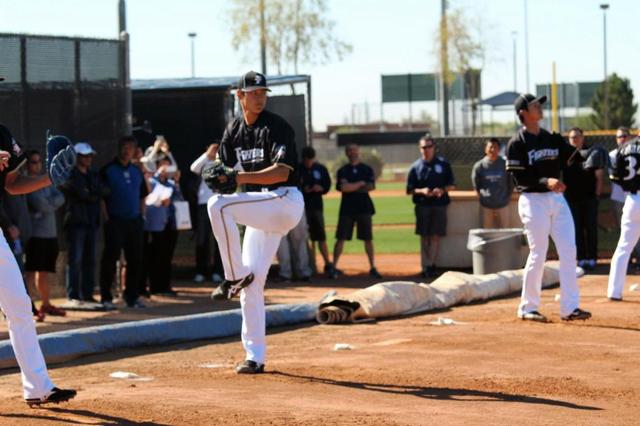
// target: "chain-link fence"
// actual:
[[72, 86]]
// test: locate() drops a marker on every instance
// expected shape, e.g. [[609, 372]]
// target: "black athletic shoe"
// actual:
[[56, 396], [373, 273], [229, 289], [250, 367], [577, 314], [615, 299], [533, 316]]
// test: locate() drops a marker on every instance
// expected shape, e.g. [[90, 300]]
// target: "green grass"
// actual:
[[385, 240], [389, 210]]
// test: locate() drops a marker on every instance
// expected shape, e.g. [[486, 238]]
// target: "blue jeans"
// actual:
[[82, 262]]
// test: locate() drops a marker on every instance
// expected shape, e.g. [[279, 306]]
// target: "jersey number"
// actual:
[[631, 168]]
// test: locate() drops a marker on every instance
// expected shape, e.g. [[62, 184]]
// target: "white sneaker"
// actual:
[[199, 278], [216, 278]]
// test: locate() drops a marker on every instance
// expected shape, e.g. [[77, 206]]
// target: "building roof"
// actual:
[[222, 83], [501, 99]]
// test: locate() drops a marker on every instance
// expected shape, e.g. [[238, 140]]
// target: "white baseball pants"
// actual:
[[629, 234], [16, 305], [268, 216], [543, 215]]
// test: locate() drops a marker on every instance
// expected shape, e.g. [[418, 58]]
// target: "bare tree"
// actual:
[[466, 55], [297, 31]]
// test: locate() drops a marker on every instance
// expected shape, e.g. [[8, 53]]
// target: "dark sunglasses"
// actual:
[[426, 146], [622, 136], [35, 161]]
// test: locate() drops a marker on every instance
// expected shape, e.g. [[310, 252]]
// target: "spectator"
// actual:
[[293, 254], [202, 227], [123, 208], [159, 149], [429, 182], [494, 186], [584, 177], [316, 182], [355, 180], [83, 191], [161, 234], [42, 248]]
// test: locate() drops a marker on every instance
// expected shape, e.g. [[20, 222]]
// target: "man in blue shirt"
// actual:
[[123, 207], [355, 180], [430, 179]]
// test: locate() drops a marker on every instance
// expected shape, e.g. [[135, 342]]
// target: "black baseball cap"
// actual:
[[523, 101], [252, 81]]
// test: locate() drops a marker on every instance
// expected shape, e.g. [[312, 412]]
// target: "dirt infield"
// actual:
[[492, 369]]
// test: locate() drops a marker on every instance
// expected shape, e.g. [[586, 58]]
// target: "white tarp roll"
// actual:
[[406, 297]]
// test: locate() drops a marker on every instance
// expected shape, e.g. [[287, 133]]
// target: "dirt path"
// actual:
[[494, 369]]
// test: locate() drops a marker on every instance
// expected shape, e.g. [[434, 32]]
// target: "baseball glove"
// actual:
[[61, 159], [220, 178]]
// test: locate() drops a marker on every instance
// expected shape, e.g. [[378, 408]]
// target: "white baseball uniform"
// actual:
[[625, 168], [268, 211], [14, 301], [533, 159]]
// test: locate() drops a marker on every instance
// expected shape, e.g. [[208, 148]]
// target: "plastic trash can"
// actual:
[[496, 250]]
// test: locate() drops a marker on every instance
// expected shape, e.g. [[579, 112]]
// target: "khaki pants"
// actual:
[[495, 218]]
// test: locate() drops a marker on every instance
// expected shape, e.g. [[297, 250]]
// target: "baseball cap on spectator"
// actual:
[[83, 148], [252, 81], [523, 101]]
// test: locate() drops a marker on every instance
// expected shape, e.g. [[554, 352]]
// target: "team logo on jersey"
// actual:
[[317, 175], [437, 168], [543, 154], [249, 156], [280, 153]]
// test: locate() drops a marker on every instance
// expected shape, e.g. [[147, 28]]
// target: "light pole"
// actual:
[[604, 7], [192, 36], [514, 37], [526, 45]]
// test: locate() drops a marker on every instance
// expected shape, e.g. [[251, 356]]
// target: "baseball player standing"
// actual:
[[535, 157], [626, 173], [14, 301], [260, 147]]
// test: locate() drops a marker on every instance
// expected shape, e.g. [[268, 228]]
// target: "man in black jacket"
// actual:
[[82, 219]]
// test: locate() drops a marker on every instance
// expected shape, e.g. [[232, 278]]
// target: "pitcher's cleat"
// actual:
[[249, 367], [577, 314], [229, 289], [533, 316], [55, 396]]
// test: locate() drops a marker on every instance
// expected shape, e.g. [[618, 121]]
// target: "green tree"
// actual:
[[621, 106], [296, 32]]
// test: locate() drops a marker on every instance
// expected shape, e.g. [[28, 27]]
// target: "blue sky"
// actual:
[[388, 36]]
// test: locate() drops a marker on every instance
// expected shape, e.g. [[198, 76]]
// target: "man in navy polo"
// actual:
[[355, 180], [123, 207], [430, 179]]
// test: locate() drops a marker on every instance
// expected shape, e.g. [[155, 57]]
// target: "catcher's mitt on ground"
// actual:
[[61, 159], [220, 178]]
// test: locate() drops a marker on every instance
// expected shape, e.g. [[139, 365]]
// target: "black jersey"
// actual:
[[270, 140], [625, 166], [8, 144], [533, 159]]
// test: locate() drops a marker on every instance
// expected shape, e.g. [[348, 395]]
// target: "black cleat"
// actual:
[[249, 367], [615, 299], [56, 396], [228, 289], [577, 314], [533, 316], [373, 273]]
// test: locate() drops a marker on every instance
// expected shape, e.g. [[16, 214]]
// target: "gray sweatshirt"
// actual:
[[492, 182], [42, 209]]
